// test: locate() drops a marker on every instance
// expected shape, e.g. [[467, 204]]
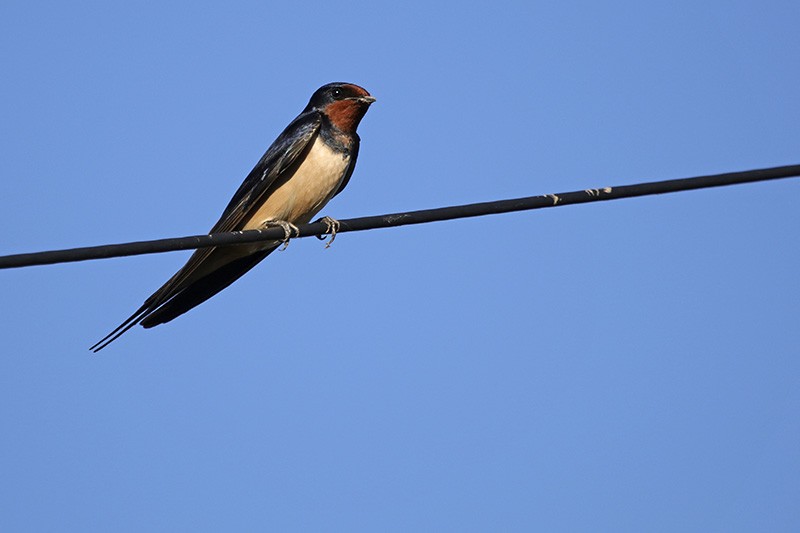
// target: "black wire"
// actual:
[[399, 219]]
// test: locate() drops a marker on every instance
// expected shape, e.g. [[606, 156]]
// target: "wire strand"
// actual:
[[399, 219]]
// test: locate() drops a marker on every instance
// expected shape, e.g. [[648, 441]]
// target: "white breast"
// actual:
[[307, 191]]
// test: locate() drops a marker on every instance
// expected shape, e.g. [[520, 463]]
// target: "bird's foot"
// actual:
[[287, 227], [331, 228]]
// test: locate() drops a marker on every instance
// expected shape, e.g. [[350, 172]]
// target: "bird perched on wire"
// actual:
[[309, 163]]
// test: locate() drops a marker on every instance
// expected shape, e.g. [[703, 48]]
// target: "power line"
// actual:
[[400, 219]]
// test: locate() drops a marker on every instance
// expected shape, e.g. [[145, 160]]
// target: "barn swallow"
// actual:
[[309, 163]]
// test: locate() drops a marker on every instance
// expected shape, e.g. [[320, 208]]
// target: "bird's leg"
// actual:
[[287, 227], [331, 228]]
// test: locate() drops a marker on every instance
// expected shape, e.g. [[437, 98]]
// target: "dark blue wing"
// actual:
[[256, 187], [278, 158]]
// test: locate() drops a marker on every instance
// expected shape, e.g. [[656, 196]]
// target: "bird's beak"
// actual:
[[366, 99]]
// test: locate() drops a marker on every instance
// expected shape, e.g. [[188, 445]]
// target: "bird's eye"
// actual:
[[336, 93]]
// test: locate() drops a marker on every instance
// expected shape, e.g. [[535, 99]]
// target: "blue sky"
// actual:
[[624, 366]]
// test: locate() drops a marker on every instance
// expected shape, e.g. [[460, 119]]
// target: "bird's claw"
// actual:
[[331, 228], [287, 227]]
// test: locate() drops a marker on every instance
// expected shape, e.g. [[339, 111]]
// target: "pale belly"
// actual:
[[307, 191], [297, 200]]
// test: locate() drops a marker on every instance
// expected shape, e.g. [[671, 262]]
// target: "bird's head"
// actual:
[[345, 104]]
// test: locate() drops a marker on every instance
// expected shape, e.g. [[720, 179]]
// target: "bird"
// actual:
[[309, 163]]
